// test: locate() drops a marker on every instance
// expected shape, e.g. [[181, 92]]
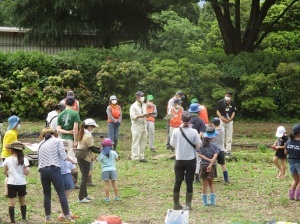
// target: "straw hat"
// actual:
[[45, 131], [16, 145]]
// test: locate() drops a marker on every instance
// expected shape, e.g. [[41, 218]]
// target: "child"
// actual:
[[108, 159], [292, 149], [219, 141], [66, 168], [278, 146], [208, 171], [16, 168]]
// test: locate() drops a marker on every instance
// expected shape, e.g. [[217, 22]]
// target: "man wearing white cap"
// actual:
[[138, 116]]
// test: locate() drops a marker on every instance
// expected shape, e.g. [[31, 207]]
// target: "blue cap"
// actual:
[[12, 122]]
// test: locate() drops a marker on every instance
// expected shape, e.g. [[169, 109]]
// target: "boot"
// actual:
[[197, 180], [297, 195], [115, 145], [225, 175], [90, 182], [291, 194], [75, 177], [204, 198], [177, 205], [212, 199], [188, 200]]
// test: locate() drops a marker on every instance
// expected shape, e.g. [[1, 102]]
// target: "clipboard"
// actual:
[[168, 116]]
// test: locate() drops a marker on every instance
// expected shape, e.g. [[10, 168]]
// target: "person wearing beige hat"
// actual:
[[16, 167], [51, 151], [70, 94]]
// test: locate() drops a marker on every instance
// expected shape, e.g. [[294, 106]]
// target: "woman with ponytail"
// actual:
[[85, 157], [185, 140], [51, 151], [16, 167]]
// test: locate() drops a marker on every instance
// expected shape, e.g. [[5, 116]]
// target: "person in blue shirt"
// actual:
[[108, 158]]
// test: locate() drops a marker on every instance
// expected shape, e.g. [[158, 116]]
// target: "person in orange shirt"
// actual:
[[70, 94], [203, 111], [114, 119], [175, 121], [150, 120]]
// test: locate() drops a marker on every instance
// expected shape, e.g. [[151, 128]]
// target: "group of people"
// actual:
[[63, 145]]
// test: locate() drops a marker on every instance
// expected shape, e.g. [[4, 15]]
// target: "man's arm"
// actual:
[[60, 130]]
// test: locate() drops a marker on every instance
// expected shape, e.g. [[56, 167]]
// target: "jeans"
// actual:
[[113, 131], [84, 168], [52, 174]]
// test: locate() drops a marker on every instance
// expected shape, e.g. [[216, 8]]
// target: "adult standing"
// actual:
[[84, 153], [184, 139], [199, 125], [138, 127], [152, 111], [70, 94], [51, 120], [202, 111], [51, 151], [178, 95], [226, 111], [67, 125], [114, 119]]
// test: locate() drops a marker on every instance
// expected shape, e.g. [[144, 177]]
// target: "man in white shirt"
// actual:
[[138, 116]]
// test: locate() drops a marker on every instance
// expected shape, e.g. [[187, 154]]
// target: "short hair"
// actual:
[[70, 101], [229, 92]]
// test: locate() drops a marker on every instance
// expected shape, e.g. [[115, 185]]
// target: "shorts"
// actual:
[[295, 168], [109, 175], [68, 181], [207, 175], [185, 170], [16, 190], [221, 158], [280, 154]]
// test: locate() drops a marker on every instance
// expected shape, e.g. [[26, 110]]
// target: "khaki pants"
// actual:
[[68, 144], [139, 141], [228, 130]]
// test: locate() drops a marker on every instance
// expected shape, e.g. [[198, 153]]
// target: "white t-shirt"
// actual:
[[183, 149], [15, 172]]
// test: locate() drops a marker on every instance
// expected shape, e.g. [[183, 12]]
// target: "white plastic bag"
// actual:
[[177, 216]]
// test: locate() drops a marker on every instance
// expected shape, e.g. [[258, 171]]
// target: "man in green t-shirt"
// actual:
[[67, 125]]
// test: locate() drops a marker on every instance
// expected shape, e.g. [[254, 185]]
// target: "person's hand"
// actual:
[[274, 147], [208, 169], [74, 145], [71, 132]]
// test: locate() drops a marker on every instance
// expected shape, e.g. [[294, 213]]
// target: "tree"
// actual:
[[112, 21], [236, 39]]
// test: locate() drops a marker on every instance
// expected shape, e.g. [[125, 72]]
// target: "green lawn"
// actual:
[[253, 196]]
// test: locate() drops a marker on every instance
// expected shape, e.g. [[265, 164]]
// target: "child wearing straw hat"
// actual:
[[16, 167]]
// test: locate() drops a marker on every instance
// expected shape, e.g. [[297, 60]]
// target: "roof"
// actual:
[[12, 29]]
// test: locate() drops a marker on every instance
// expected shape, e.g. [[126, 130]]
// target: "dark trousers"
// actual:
[[85, 169]]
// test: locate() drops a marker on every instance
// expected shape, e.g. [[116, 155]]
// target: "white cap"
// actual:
[[90, 122], [280, 131]]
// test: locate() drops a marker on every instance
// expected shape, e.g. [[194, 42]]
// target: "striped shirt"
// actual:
[[51, 152]]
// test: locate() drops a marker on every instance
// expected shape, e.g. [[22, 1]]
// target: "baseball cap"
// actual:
[[90, 122], [70, 94], [195, 100], [139, 93], [296, 128], [180, 93], [150, 97], [177, 101], [280, 131]]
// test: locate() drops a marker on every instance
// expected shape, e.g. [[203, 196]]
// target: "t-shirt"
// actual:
[[209, 152], [198, 124], [9, 137], [219, 139], [108, 163], [183, 149], [281, 141], [66, 120], [66, 167], [293, 150], [52, 120], [86, 142], [15, 172], [225, 109]]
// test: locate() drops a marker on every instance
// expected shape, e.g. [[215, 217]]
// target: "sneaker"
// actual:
[[106, 200], [89, 198], [143, 161], [117, 198], [84, 200]]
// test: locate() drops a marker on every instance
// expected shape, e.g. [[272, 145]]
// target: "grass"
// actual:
[[253, 196]]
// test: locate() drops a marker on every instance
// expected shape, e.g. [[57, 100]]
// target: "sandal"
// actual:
[[61, 218], [75, 216]]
